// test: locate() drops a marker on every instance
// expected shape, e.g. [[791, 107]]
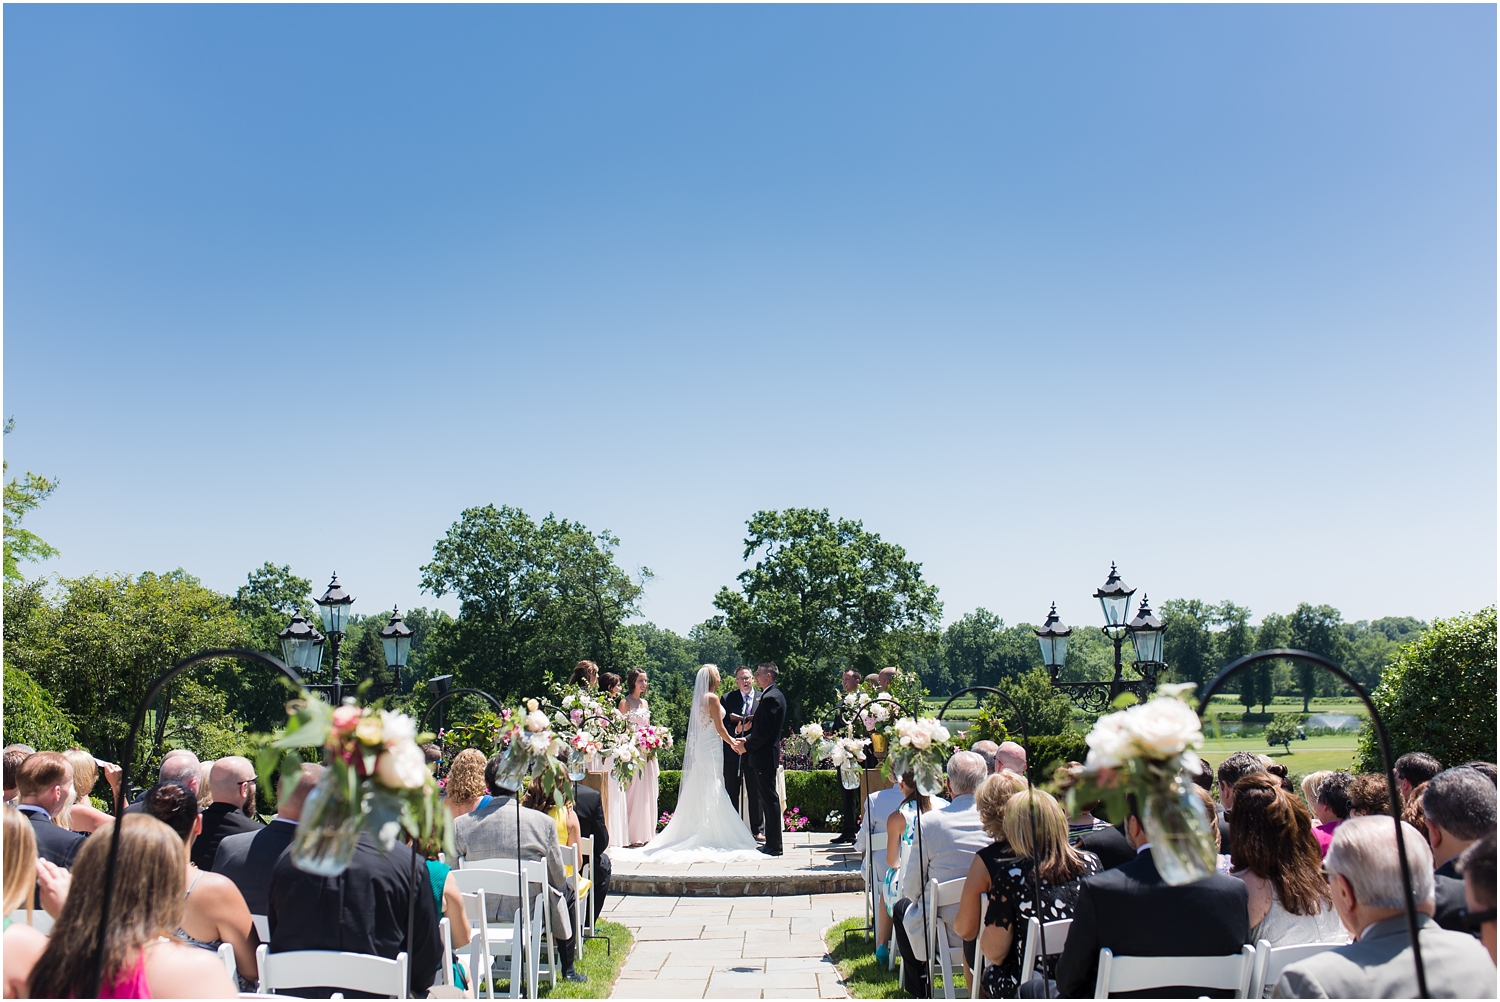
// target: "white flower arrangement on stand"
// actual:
[[920, 746]]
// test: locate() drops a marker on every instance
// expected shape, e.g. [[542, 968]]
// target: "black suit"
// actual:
[[219, 822], [736, 769], [1110, 845], [362, 910], [763, 749], [54, 844], [589, 807], [1131, 910], [249, 857], [1449, 902]]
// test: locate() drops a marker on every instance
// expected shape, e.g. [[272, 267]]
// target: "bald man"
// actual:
[[232, 782], [178, 766], [1011, 757]]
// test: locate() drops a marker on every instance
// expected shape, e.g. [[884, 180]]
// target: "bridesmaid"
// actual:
[[640, 798], [615, 817]]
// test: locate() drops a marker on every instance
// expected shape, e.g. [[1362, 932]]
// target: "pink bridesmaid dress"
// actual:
[[640, 797]]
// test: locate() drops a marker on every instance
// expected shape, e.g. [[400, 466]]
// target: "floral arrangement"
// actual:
[[861, 706], [834, 821], [1147, 750], [531, 746], [664, 820], [846, 753], [628, 762], [920, 746], [795, 820], [376, 780], [651, 739]]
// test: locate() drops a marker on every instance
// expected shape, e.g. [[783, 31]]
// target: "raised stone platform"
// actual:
[[808, 865]]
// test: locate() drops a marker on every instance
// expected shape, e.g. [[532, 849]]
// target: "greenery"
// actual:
[[853, 952], [824, 595], [1333, 751], [1283, 730], [22, 496], [1438, 695], [600, 967], [31, 717]]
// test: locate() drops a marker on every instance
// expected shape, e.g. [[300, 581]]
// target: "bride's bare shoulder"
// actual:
[[710, 699]]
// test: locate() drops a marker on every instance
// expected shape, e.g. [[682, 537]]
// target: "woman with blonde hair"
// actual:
[[205, 787], [22, 944], [1031, 843], [1310, 788], [80, 815], [142, 957], [464, 788]]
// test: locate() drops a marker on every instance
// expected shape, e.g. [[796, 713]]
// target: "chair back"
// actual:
[[949, 958], [535, 869], [1270, 961], [493, 882], [1052, 935], [262, 927], [358, 972], [40, 920], [1136, 974], [226, 957]]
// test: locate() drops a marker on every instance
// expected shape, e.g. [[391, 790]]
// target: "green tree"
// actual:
[[824, 594], [1318, 629], [267, 601], [1438, 695], [1274, 632], [22, 496], [978, 649], [1047, 710], [1282, 730], [1189, 641], [716, 644], [31, 716], [1372, 645]]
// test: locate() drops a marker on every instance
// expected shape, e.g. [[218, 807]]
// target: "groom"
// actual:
[[761, 752]]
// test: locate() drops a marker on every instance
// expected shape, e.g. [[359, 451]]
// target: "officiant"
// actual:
[[739, 707]]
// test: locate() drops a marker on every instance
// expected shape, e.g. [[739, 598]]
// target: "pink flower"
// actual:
[[345, 719]]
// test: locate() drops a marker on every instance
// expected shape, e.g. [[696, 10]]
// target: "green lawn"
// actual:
[[1334, 751], [854, 955], [599, 966]]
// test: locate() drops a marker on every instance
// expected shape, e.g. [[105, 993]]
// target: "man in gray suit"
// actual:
[[490, 833], [950, 838], [248, 858], [1365, 880]]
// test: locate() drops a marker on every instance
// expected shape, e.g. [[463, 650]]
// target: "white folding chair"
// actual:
[[445, 930], [541, 933], [1136, 974], [40, 920], [939, 947], [226, 957], [583, 888], [359, 972], [1270, 961], [1056, 934], [476, 888], [262, 927]]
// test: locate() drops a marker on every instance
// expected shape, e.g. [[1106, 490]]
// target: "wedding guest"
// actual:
[[80, 815], [950, 838], [879, 806], [13, 757], [1412, 814], [1272, 849], [1135, 913], [142, 957], [214, 911], [986, 750], [44, 782], [585, 673], [1211, 817], [1310, 788], [1460, 808], [449, 901], [1011, 757], [205, 784], [1489, 770], [1241, 763], [233, 784], [490, 832], [641, 795], [1086, 826], [897, 849], [22, 944], [177, 766], [1413, 769], [564, 817], [591, 824], [1365, 881], [1369, 794], [248, 858], [1477, 864], [464, 788], [1331, 807], [1002, 875]]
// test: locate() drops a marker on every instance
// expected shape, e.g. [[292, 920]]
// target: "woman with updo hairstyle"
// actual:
[[464, 790], [641, 794], [585, 673], [609, 684], [1272, 849], [80, 815]]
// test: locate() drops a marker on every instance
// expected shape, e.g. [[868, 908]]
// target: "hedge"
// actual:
[[815, 792]]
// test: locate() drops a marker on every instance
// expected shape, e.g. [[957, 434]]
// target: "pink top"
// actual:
[[129, 984], [1324, 835]]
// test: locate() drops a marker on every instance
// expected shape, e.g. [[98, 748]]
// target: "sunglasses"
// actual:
[[1473, 920]]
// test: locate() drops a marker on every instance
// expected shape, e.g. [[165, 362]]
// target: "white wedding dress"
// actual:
[[705, 827]]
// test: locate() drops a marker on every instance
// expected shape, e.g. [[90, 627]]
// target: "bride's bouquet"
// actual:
[[651, 739], [1147, 751]]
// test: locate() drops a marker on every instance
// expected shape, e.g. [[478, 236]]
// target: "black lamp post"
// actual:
[[302, 645], [1146, 633]]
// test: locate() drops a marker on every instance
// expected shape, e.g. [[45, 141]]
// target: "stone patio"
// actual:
[[738, 947], [808, 866]]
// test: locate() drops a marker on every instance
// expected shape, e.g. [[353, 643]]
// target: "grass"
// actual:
[[854, 954], [1333, 751], [601, 968]]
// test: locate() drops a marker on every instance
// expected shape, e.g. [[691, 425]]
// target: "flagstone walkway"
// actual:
[[732, 947]]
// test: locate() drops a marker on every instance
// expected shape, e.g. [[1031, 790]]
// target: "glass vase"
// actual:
[[515, 766], [1177, 826], [849, 775], [927, 772], [329, 828]]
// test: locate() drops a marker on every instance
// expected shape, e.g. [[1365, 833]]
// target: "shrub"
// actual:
[[1438, 695], [1282, 730], [31, 717], [666, 790]]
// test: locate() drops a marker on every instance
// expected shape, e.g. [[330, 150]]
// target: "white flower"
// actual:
[[397, 728], [1163, 728], [1109, 742], [403, 767], [531, 705], [812, 732], [940, 734], [539, 742], [919, 739], [536, 720]]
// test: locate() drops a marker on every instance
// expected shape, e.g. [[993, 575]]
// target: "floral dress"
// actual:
[[1011, 904]]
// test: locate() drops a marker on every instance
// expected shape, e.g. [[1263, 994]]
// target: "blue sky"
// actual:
[[1209, 291]]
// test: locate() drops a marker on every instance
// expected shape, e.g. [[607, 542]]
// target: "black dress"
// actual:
[[1011, 905]]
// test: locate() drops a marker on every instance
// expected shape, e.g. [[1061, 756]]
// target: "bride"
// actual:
[[705, 825]]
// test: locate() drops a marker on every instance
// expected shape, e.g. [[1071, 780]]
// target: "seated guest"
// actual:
[[994, 790], [450, 905], [1413, 769], [80, 815], [1331, 807], [44, 784], [950, 837], [14, 756], [177, 766], [1369, 794], [1412, 812], [1272, 849], [142, 957], [464, 787], [247, 858], [879, 806], [1241, 763], [1310, 788], [1003, 871], [1131, 910], [590, 813], [232, 781], [1365, 881], [1465, 800], [22, 944], [1109, 845], [538, 799], [1477, 864], [1489, 770], [205, 784], [1011, 757], [362, 910], [490, 833], [986, 750], [1085, 823], [213, 911], [902, 824]]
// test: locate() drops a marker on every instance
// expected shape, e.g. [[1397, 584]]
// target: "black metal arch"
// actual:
[[457, 692], [1385, 755], [128, 758]]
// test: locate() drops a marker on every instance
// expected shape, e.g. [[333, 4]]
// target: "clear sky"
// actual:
[[1209, 291]]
